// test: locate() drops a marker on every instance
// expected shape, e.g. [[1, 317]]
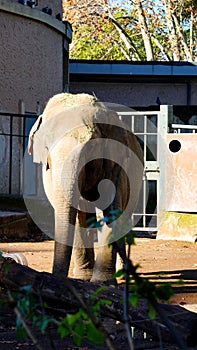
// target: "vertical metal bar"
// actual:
[[22, 162], [24, 130], [145, 138], [145, 177], [132, 123], [21, 110], [133, 130], [165, 118], [10, 156], [144, 201]]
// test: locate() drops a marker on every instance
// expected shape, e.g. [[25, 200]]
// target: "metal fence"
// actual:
[[14, 130], [151, 129]]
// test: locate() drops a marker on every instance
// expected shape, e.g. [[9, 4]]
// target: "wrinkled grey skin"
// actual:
[[63, 174]]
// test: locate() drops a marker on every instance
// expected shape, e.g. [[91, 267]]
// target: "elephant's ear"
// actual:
[[33, 130], [32, 136]]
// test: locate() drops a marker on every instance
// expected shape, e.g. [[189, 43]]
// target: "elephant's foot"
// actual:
[[104, 267], [59, 273], [103, 276], [107, 282], [83, 274], [83, 263]]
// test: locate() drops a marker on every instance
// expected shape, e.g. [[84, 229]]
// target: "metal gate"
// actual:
[[150, 128]]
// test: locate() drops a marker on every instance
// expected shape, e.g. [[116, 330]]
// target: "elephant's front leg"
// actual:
[[83, 251], [64, 238]]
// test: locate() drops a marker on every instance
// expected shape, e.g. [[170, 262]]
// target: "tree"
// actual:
[[133, 30]]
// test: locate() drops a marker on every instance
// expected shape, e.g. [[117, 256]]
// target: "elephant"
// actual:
[[89, 160]]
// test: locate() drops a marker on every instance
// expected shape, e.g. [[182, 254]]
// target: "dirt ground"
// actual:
[[176, 259], [159, 260]]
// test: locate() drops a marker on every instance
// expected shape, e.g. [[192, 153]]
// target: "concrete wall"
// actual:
[[33, 67], [31, 56], [138, 94], [143, 85]]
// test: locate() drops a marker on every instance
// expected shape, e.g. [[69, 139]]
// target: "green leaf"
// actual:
[[80, 329], [77, 340], [25, 288], [105, 302], [78, 333], [63, 331], [44, 322], [6, 266], [94, 335], [119, 273], [91, 222], [134, 299], [164, 292], [97, 291], [21, 333], [116, 212], [180, 282], [71, 319], [151, 312], [130, 238]]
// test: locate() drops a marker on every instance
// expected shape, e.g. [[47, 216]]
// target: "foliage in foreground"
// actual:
[[86, 322]]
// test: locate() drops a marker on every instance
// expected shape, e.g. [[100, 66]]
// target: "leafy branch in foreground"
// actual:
[[87, 323], [143, 288]]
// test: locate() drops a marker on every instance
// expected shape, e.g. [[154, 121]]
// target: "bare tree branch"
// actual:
[[186, 48], [163, 50], [172, 31], [124, 36], [144, 30]]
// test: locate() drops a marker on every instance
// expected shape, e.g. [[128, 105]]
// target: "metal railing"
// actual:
[[181, 128], [14, 128]]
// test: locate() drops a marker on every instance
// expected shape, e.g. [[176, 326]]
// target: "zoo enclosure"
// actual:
[[165, 146], [151, 128]]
